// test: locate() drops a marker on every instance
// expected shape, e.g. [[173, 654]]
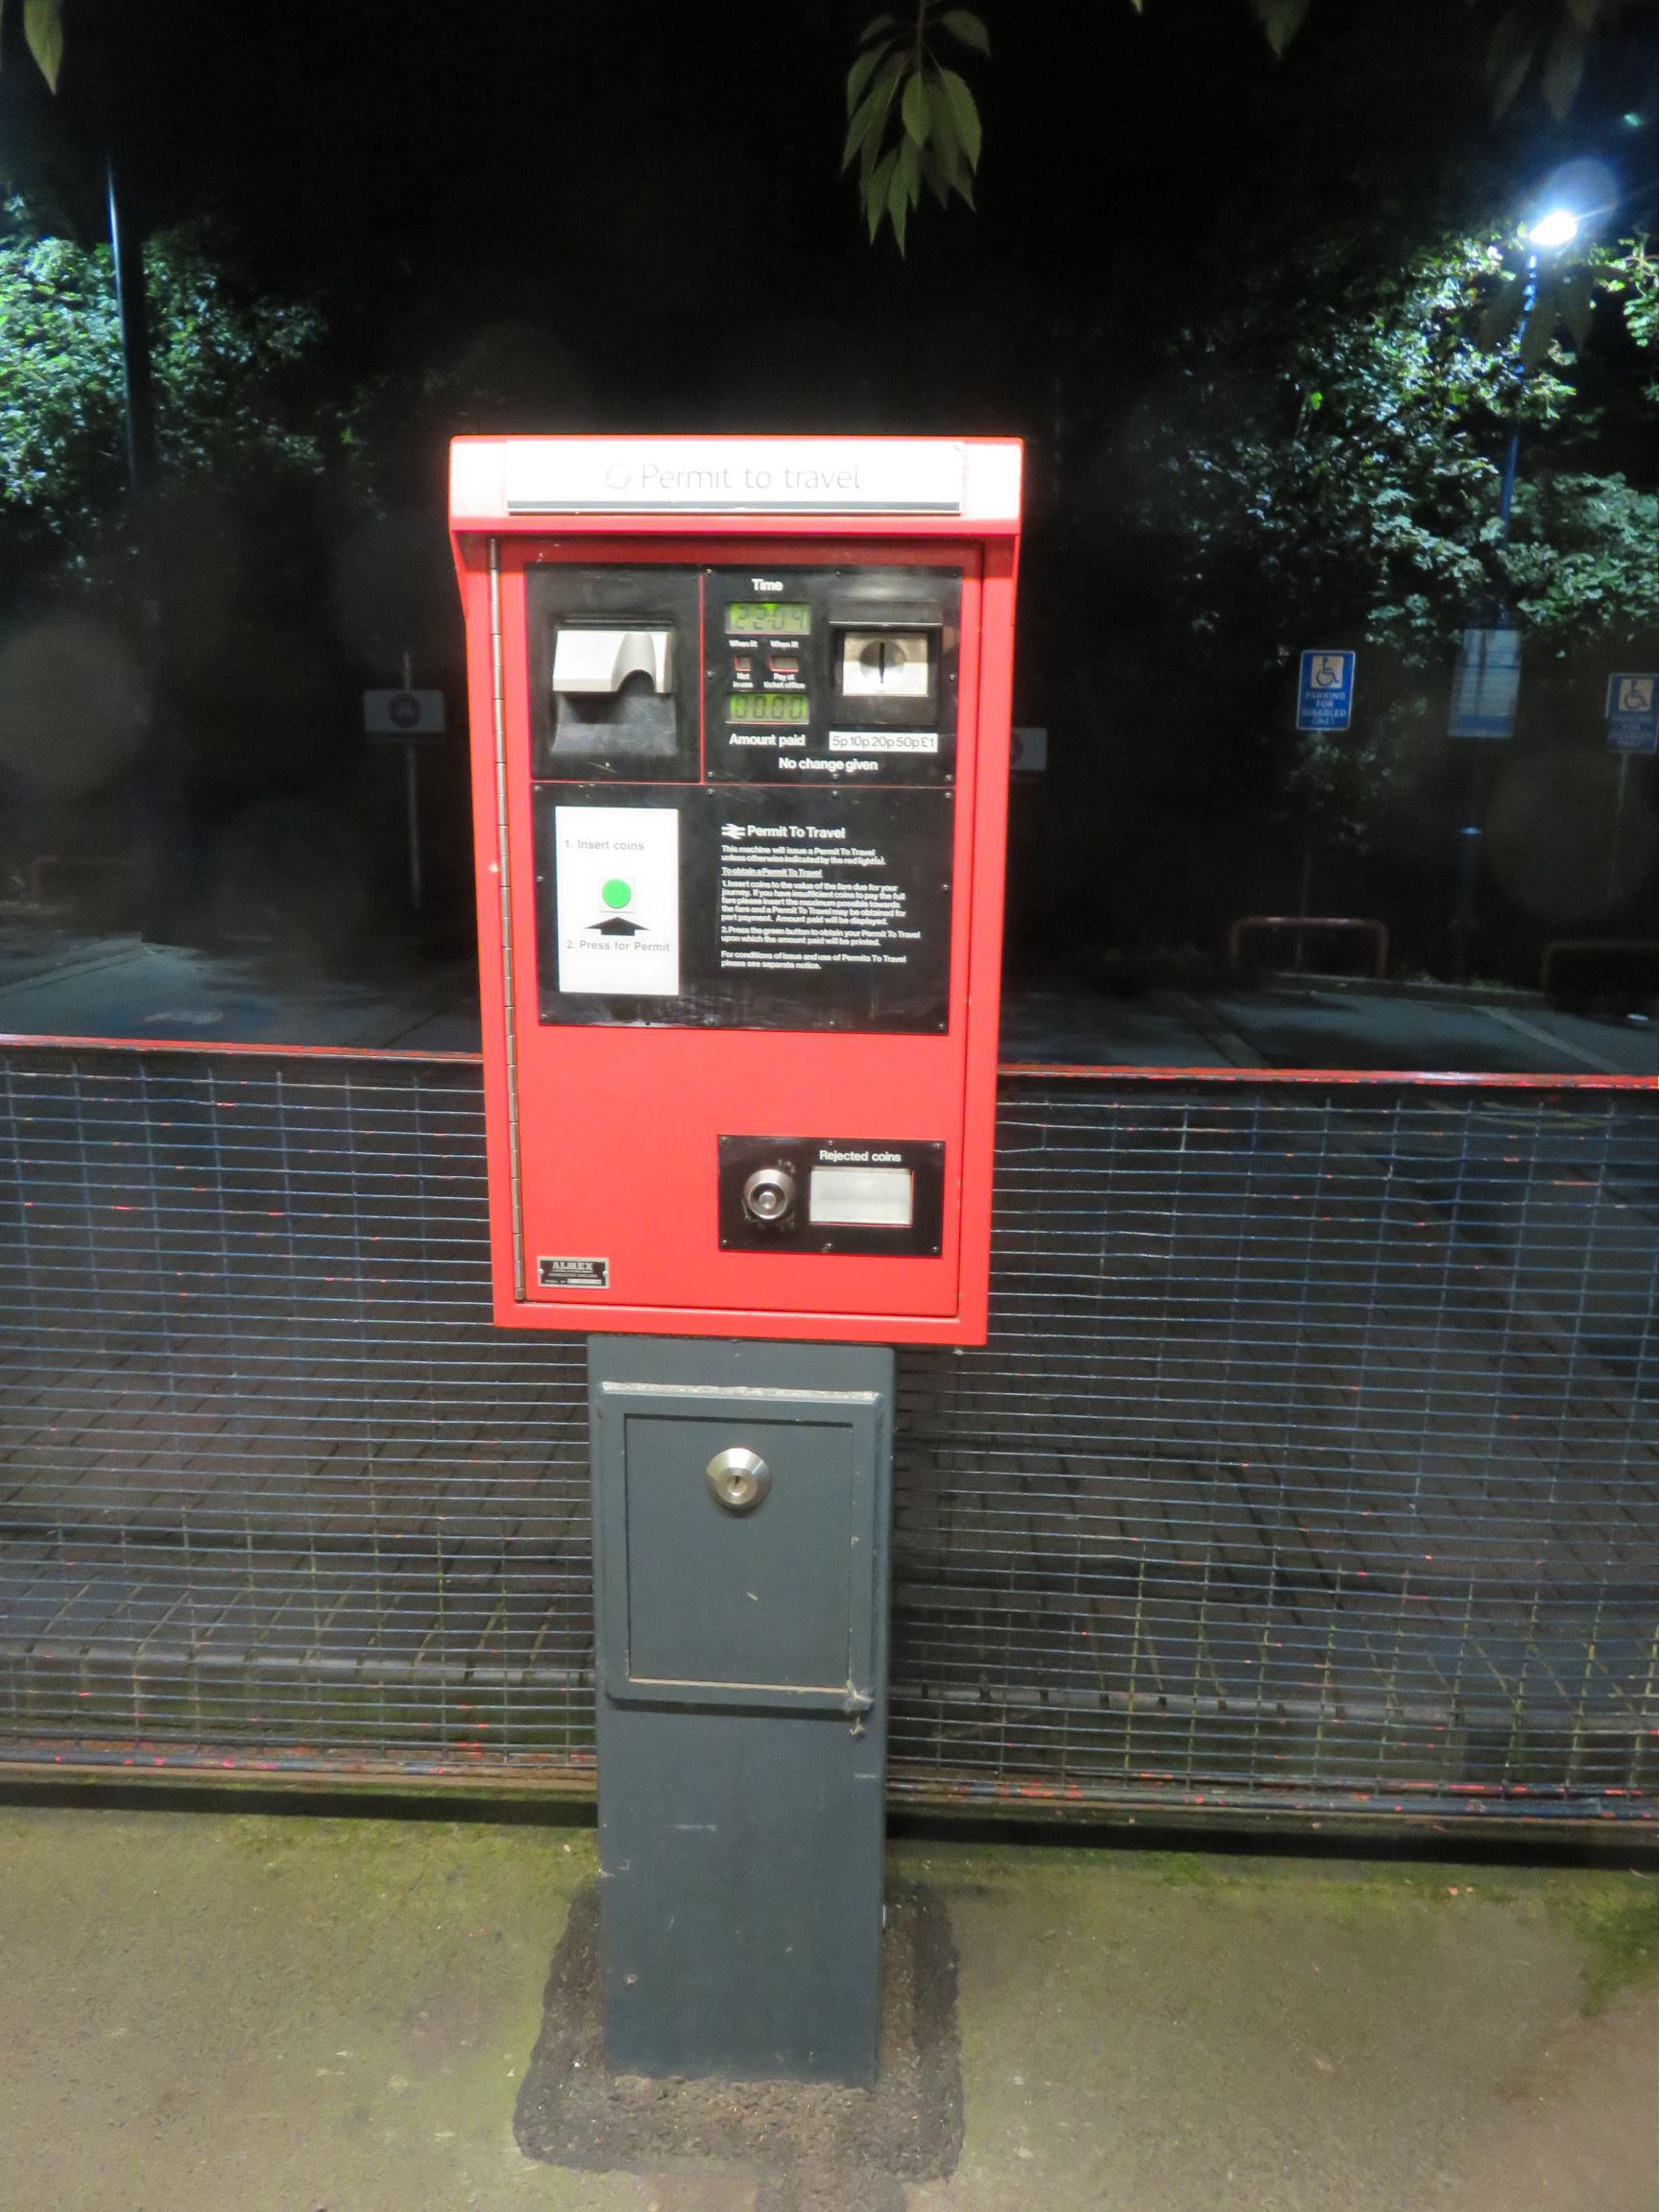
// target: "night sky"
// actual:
[[632, 215], [655, 187], [636, 207]]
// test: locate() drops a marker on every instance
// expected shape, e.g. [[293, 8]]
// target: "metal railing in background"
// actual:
[[1301, 926], [1312, 1467], [1618, 959]]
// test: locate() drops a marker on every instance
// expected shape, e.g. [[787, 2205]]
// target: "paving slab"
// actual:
[[290, 2014]]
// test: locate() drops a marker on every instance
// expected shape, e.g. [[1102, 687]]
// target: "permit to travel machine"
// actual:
[[740, 735], [740, 724]]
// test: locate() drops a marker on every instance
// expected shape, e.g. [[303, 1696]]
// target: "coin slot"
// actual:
[[886, 663]]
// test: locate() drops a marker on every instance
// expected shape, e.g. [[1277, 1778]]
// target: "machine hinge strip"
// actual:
[[498, 708]]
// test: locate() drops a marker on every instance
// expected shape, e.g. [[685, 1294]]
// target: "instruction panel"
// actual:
[[744, 797], [810, 910]]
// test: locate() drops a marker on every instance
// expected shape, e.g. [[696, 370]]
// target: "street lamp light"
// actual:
[[1552, 230]]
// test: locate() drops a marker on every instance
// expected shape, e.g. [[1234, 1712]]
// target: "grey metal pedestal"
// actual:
[[741, 1507]]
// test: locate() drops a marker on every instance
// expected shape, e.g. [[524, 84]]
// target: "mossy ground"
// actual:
[[280, 2013]]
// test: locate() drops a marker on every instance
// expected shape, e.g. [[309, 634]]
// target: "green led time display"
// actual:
[[768, 618]]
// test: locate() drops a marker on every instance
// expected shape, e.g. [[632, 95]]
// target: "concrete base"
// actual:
[[852, 2148]]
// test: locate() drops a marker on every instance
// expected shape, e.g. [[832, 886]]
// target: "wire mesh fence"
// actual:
[[1315, 1454], [1312, 1462], [270, 1474]]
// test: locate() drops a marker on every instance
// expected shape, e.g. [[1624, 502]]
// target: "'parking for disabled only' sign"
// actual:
[[1325, 700], [1633, 713]]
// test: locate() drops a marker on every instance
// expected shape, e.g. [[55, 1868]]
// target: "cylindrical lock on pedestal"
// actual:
[[738, 1478]]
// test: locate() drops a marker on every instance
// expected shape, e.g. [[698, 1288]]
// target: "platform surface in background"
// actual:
[[54, 982]]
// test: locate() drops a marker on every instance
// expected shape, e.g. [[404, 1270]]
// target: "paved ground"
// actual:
[[53, 983], [297, 2015], [1315, 1024]]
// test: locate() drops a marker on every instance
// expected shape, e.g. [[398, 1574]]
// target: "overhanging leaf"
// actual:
[[1279, 19], [906, 185], [875, 192], [1563, 72], [963, 24], [864, 132], [958, 175], [44, 29], [916, 109], [1509, 54], [1502, 313], [1550, 36], [941, 137], [870, 152], [1575, 302], [942, 156], [1536, 337], [965, 113], [43, 36], [859, 75]]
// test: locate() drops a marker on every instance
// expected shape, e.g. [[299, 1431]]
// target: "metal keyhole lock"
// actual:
[[769, 1194], [738, 1478]]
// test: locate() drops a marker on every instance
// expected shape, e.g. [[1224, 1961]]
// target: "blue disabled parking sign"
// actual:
[[1633, 713], [1326, 698]]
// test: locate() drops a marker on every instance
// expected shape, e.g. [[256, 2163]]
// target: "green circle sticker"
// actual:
[[616, 893]]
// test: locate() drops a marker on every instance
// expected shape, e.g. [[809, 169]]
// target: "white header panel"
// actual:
[[735, 475], [509, 478]]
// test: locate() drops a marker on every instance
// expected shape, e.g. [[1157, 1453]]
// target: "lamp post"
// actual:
[[132, 315], [1552, 235], [1552, 232]]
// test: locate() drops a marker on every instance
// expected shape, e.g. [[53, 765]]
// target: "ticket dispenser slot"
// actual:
[[608, 652], [606, 676], [611, 695]]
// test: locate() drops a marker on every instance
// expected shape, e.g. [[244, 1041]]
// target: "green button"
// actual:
[[616, 893]]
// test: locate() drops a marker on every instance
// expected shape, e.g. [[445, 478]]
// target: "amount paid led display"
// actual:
[[768, 707]]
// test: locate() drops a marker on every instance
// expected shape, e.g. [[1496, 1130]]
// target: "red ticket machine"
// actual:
[[740, 726]]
